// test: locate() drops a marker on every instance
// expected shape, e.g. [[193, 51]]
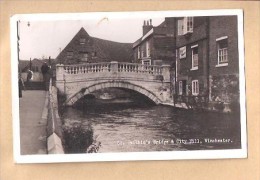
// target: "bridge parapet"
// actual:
[[109, 67], [152, 81], [113, 69]]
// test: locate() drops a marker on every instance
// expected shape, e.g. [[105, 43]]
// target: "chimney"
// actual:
[[147, 26]]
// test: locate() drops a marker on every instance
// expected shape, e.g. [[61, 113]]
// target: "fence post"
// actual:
[[59, 72], [60, 81], [114, 66]]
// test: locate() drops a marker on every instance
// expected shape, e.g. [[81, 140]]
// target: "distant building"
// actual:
[[86, 49], [157, 44], [35, 66]]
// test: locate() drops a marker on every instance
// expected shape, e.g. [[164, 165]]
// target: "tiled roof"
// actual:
[[115, 51], [106, 50]]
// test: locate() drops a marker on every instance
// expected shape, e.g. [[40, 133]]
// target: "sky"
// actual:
[[47, 38]]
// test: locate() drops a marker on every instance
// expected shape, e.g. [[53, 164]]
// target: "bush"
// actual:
[[78, 136]]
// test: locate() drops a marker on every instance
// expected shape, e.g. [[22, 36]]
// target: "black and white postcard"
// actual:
[[119, 86]]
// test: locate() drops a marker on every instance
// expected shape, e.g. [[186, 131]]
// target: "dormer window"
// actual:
[[82, 41], [84, 56], [189, 22], [185, 25], [94, 54], [69, 54]]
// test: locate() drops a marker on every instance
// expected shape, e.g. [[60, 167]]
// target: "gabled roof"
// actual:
[[115, 51], [106, 50]]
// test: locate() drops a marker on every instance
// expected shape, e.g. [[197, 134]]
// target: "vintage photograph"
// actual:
[[128, 86]]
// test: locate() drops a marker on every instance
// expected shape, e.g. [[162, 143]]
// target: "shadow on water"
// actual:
[[91, 104]]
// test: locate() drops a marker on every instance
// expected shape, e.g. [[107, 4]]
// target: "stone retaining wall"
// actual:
[[54, 125]]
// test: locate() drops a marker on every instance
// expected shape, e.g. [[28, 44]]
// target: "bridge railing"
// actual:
[[113, 67], [106, 67], [87, 68], [139, 68]]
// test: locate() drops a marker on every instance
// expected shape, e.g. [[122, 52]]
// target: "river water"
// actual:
[[127, 127]]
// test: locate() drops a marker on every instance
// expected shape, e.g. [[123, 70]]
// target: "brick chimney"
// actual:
[[147, 26]]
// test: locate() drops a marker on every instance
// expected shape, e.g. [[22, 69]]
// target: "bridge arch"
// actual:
[[113, 84]]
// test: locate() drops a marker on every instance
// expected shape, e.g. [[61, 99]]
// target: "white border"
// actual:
[[169, 155]]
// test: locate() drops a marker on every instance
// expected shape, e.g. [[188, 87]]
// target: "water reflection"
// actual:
[[127, 127]]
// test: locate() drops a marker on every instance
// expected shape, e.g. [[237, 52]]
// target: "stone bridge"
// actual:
[[76, 81]]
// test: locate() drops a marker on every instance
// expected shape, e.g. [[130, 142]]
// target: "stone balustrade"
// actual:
[[109, 67], [87, 68], [75, 81]]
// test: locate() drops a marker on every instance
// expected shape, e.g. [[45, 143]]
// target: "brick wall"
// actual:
[[223, 26], [224, 80]]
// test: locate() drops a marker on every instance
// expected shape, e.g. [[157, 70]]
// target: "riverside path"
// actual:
[[33, 118]]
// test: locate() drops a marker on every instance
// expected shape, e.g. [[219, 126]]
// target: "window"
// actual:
[[82, 41], [147, 49], [180, 27], [189, 22], [84, 57], [182, 52], [180, 87], [222, 45], [195, 57], [94, 54], [139, 52], [195, 87], [142, 53], [146, 62], [185, 25], [69, 54]]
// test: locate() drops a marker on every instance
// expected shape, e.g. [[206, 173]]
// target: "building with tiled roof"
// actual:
[[86, 49], [157, 44]]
